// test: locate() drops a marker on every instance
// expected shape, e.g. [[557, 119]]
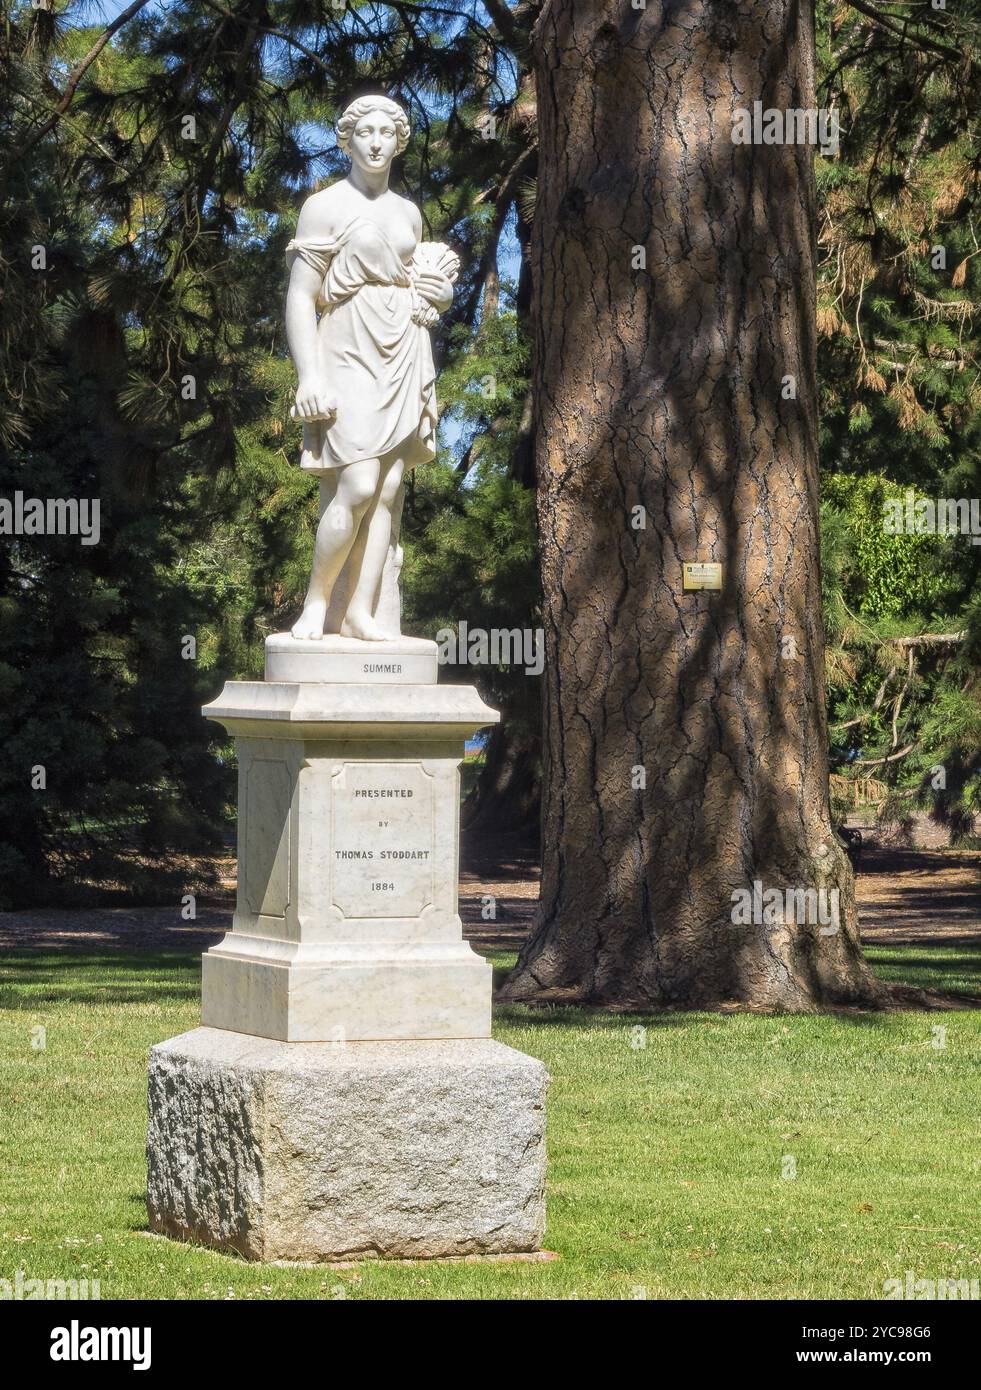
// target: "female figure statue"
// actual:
[[363, 293]]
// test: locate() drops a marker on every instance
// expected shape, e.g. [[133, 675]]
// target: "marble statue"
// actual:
[[344, 1002], [364, 292]]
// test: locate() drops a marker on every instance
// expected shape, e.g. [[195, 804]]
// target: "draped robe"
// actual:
[[372, 356]]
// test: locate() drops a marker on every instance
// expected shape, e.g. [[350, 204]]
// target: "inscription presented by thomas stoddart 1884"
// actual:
[[382, 840]]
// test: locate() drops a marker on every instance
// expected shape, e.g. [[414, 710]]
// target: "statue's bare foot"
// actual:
[[310, 624], [362, 626]]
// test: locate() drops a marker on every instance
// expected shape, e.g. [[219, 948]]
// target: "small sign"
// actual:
[[699, 575]]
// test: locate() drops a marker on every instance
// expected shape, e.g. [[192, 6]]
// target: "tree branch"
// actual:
[[929, 639], [280, 34], [75, 77], [917, 40], [503, 19], [486, 281], [877, 762]]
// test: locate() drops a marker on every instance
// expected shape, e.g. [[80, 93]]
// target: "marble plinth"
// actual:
[[347, 661], [361, 1150], [346, 924]]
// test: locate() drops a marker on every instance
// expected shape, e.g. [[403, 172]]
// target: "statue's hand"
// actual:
[[425, 315], [313, 402], [435, 288]]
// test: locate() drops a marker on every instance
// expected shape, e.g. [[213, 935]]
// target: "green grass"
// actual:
[[954, 968], [665, 1160]]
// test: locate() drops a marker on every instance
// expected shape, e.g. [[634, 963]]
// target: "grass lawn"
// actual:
[[728, 1156]]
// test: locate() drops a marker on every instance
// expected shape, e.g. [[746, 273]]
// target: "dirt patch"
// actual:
[[910, 897]]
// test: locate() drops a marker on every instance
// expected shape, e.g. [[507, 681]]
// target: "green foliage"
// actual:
[[900, 377], [884, 575], [891, 694]]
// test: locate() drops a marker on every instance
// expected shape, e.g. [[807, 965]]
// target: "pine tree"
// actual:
[[899, 363]]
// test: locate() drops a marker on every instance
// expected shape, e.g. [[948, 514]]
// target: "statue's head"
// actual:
[[372, 131]]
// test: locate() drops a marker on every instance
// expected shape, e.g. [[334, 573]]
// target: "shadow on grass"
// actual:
[[577, 1016], [28, 979], [936, 963]]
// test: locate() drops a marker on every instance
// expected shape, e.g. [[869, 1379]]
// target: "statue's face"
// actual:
[[374, 141]]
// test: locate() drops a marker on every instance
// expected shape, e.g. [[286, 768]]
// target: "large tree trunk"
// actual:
[[662, 389]]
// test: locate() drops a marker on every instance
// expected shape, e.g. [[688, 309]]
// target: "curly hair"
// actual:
[[349, 118]]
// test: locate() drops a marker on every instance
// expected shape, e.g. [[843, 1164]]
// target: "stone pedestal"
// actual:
[[343, 1096], [346, 924], [317, 1151]]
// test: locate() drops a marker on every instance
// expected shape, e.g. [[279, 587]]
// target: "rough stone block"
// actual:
[[317, 1151]]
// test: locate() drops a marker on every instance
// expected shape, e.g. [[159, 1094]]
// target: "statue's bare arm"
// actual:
[[313, 400]]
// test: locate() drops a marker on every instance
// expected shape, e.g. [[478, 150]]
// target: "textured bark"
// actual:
[[661, 388], [508, 792]]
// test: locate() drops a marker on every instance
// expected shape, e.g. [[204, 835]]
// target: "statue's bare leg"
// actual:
[[359, 619], [340, 522]]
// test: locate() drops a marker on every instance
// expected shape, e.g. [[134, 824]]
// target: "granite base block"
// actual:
[[319, 1151]]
